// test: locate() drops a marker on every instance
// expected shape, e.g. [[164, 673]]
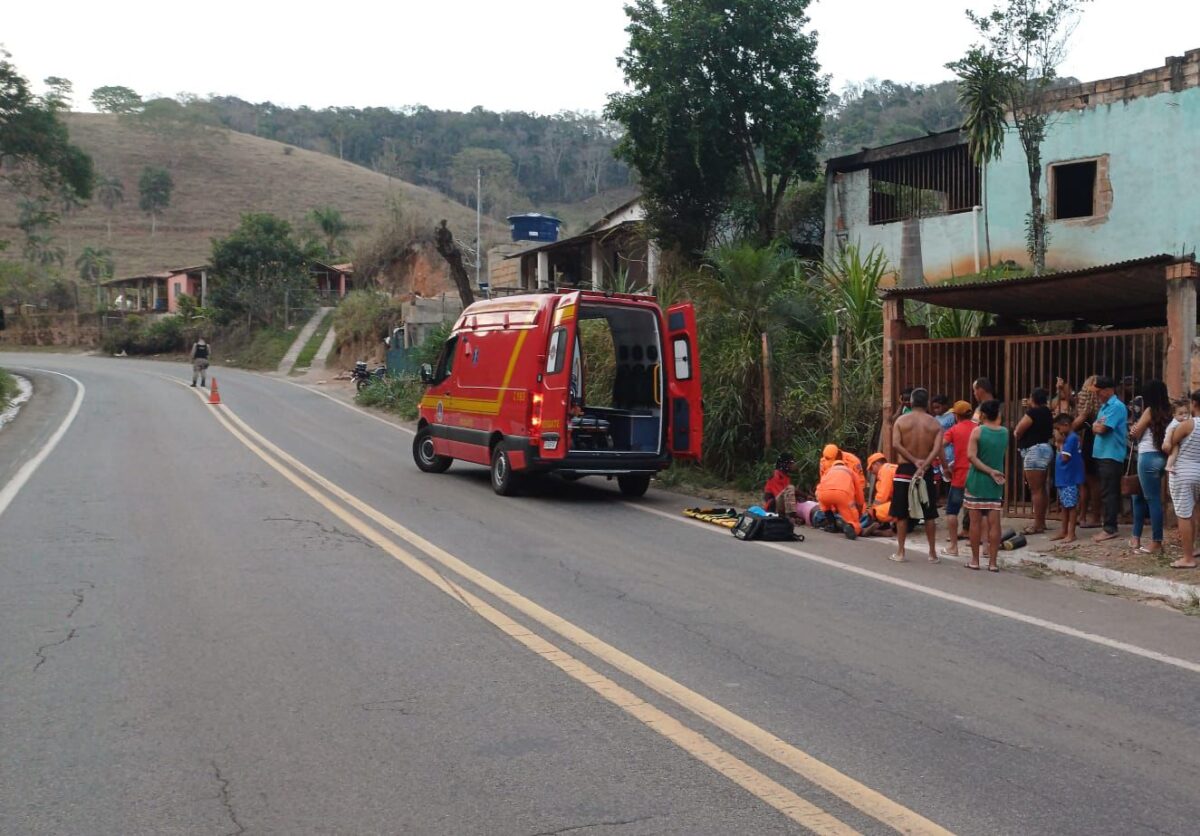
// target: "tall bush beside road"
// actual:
[[744, 292]]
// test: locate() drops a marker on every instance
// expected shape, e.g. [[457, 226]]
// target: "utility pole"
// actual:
[[478, 228]]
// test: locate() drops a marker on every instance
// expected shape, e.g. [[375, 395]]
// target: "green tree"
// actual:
[[35, 150], [95, 263], [58, 93], [111, 191], [1024, 42], [36, 217], [154, 192], [258, 269], [983, 94], [116, 99], [332, 228], [725, 104], [499, 186]]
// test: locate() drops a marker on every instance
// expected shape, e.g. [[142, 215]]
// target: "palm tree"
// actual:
[[111, 191], [332, 227], [983, 92], [95, 263]]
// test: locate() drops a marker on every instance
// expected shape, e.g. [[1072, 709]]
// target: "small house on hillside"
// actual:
[[160, 292], [333, 281], [156, 292], [613, 253], [1121, 164]]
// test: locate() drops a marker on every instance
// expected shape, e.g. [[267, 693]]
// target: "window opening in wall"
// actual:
[[1074, 189], [922, 185]]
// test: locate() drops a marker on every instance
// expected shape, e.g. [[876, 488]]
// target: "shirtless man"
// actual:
[[917, 441]]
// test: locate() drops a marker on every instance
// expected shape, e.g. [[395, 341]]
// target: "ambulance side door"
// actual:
[[685, 432], [559, 378]]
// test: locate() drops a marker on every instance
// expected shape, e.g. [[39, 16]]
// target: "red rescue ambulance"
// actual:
[[578, 383]]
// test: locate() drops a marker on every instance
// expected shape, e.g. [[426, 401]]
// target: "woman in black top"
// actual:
[[1033, 434]]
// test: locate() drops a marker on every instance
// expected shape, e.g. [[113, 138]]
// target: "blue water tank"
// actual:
[[534, 226]]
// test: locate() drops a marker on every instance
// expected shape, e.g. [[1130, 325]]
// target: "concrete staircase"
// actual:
[[289, 359]]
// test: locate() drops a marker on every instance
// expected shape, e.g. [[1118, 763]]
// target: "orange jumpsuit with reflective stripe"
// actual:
[[885, 485], [841, 490]]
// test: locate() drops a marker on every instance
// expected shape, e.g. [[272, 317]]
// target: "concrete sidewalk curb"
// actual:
[[1182, 593]]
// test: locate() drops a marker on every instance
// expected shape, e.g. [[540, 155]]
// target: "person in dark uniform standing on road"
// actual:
[[200, 355]]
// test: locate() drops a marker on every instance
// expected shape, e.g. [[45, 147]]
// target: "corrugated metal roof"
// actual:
[[1124, 293]]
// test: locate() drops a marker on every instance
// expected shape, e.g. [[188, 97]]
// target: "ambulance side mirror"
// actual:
[[426, 373]]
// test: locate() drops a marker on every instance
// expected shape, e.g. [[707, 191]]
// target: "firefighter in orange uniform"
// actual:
[[841, 490], [832, 454], [881, 500]]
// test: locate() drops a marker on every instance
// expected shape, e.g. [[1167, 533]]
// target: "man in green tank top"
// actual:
[[985, 483]]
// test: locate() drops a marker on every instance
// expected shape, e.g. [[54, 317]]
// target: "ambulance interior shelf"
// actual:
[[618, 402]]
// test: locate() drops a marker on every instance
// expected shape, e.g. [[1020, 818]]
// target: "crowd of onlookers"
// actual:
[[1088, 449]]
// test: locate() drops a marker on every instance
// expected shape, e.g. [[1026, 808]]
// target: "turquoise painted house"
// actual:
[[1121, 181]]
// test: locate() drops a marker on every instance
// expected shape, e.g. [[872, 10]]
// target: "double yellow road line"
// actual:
[[371, 524]]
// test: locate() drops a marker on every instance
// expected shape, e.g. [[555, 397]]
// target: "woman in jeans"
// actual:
[[1149, 432], [1033, 434]]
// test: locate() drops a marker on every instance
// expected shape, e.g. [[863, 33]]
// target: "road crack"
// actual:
[[41, 651], [327, 530], [578, 827], [223, 783]]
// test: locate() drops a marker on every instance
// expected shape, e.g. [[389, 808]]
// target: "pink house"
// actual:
[[190, 280]]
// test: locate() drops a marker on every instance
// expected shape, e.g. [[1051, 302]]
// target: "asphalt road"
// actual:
[[199, 635]]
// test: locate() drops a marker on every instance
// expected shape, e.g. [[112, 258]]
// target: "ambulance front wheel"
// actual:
[[504, 481], [424, 455], [634, 485]]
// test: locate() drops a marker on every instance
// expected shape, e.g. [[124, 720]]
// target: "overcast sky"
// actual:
[[455, 54]]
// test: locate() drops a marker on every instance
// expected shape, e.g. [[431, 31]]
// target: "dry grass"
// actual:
[[218, 176]]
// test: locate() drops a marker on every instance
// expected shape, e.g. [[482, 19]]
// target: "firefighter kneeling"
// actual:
[[840, 491], [880, 510]]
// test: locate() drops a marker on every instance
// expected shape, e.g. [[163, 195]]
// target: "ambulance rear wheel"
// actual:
[[634, 485], [504, 481], [424, 455]]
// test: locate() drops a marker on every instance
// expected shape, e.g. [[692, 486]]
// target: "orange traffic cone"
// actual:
[[214, 394]]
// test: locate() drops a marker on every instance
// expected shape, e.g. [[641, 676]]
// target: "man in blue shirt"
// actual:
[[1109, 450]]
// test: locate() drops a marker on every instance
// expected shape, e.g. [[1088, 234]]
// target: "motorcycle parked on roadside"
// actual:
[[363, 377]]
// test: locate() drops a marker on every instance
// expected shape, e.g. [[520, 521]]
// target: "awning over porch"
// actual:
[[1129, 293]]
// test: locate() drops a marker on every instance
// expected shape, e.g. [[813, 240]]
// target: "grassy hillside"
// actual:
[[219, 174]]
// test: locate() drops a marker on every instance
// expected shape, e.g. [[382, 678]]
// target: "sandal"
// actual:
[[974, 568], [1032, 530], [993, 568]]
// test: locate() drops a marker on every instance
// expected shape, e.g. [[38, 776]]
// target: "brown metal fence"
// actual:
[[1020, 364]]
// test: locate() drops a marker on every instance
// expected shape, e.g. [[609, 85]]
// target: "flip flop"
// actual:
[[1176, 565], [974, 568], [993, 568]]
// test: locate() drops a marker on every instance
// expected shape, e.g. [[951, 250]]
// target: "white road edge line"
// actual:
[[991, 609], [9, 492], [349, 406]]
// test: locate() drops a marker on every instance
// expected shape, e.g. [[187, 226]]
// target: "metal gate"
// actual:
[[1130, 357], [1017, 365]]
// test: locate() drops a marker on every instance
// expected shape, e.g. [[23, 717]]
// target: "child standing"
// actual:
[[1068, 475]]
